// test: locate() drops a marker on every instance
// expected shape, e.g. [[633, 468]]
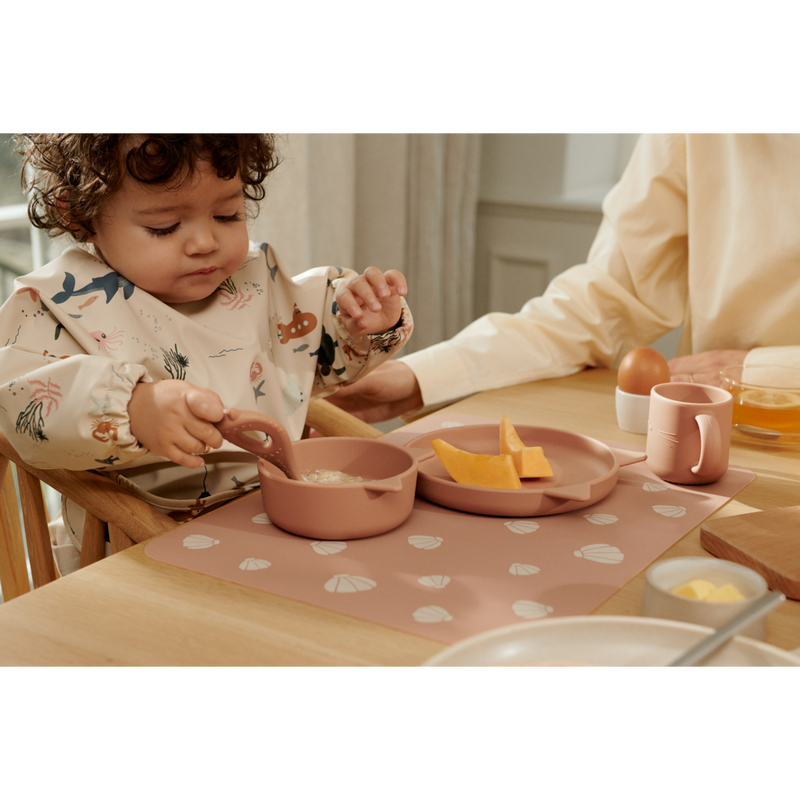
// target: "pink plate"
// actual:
[[584, 472]]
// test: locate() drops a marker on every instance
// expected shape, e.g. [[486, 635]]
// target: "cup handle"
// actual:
[[710, 444]]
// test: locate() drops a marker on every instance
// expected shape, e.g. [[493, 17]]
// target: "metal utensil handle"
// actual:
[[713, 642]]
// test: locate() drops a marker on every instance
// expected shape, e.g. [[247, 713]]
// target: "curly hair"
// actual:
[[71, 175]]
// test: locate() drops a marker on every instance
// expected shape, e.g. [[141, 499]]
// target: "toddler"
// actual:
[[121, 354]]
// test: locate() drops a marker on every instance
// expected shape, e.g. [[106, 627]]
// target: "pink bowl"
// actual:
[[342, 511], [326, 511]]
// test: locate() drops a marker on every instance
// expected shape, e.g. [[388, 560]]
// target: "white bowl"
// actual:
[[603, 641], [664, 576], [633, 411]]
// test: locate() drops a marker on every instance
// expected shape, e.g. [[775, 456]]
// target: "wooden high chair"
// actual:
[[129, 519], [329, 420]]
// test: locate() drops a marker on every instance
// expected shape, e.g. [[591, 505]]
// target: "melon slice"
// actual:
[[477, 469], [529, 462]]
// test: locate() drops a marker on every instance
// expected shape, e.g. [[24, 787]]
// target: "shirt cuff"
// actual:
[[441, 375]]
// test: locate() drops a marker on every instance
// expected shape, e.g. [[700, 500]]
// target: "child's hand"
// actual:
[[174, 419], [371, 303]]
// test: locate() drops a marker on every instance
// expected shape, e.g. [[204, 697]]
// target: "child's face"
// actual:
[[177, 244]]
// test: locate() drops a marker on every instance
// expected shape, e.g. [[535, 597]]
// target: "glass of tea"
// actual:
[[766, 402]]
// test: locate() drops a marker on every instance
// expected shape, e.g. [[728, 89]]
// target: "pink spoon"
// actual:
[[277, 450]]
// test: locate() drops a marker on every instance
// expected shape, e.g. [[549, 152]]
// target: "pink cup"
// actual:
[[689, 432]]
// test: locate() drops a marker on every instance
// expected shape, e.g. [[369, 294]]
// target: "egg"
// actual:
[[641, 370]]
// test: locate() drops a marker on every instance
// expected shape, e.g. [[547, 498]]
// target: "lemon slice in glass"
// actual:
[[776, 400]]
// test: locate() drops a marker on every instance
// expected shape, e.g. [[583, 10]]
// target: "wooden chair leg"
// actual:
[[40, 551], [93, 544], [119, 540], [13, 565]]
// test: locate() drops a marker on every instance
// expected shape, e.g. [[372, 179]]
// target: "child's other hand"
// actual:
[[175, 419], [371, 303]]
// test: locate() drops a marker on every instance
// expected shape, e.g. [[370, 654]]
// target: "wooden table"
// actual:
[[131, 610]]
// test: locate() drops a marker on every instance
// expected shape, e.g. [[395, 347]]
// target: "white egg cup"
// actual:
[[659, 600], [633, 411]]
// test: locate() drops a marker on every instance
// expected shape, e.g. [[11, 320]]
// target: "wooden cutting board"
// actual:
[[766, 541]]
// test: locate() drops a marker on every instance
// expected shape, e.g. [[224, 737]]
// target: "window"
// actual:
[[10, 191], [21, 245]]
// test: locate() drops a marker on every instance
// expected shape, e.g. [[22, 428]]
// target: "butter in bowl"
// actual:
[[703, 591]]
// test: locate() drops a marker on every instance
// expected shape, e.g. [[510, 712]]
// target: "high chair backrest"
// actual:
[[329, 420]]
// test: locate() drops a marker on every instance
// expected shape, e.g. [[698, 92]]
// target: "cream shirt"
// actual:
[[701, 231]]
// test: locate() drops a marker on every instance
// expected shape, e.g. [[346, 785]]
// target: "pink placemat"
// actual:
[[446, 575]]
